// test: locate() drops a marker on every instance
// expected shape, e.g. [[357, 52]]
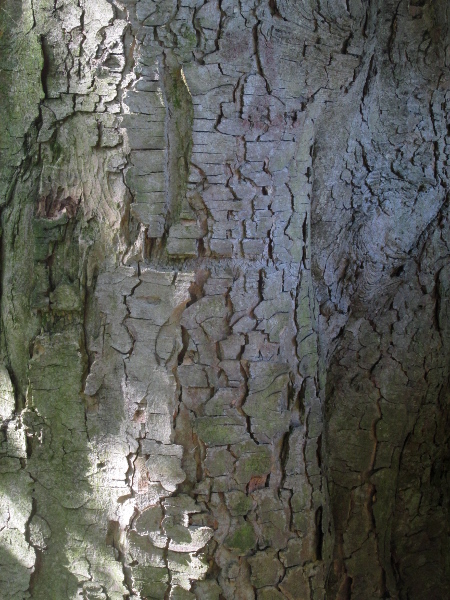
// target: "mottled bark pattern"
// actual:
[[225, 289]]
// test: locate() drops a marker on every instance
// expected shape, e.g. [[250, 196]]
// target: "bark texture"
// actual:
[[225, 285]]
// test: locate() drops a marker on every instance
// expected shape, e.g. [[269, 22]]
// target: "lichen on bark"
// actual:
[[224, 299]]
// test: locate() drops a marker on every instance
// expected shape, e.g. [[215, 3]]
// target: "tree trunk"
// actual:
[[225, 285]]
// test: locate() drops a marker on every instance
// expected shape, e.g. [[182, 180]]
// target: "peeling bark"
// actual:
[[224, 300]]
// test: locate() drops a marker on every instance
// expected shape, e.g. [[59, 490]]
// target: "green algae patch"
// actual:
[[254, 465], [238, 503], [242, 540]]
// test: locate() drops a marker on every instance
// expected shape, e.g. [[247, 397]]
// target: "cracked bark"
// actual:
[[224, 299]]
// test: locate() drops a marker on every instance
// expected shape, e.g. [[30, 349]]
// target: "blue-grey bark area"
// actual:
[[225, 281]]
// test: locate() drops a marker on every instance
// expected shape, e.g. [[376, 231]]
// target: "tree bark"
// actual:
[[225, 285]]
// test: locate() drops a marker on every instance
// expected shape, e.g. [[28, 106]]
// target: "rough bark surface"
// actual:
[[225, 285]]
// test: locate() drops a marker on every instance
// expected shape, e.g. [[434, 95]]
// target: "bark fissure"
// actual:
[[224, 299]]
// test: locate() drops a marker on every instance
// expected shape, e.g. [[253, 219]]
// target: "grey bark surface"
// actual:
[[225, 285]]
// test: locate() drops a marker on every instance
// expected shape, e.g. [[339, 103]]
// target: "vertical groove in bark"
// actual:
[[224, 301]]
